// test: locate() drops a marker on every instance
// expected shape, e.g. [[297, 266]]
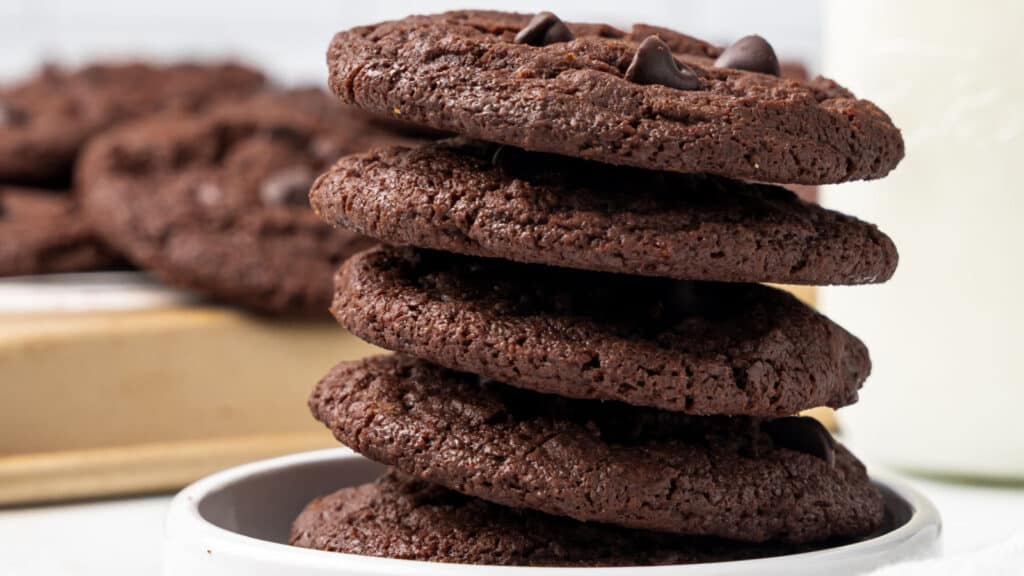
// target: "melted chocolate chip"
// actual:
[[545, 28], [287, 187], [654, 64], [751, 53], [803, 434]]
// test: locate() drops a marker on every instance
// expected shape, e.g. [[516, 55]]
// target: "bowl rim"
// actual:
[[184, 519]]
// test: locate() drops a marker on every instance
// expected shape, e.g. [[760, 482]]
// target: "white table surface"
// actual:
[[116, 537]]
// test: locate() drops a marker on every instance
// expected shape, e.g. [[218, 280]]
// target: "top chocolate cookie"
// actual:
[[45, 120], [614, 96]]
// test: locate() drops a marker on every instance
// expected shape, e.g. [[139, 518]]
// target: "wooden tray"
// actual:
[[111, 385]]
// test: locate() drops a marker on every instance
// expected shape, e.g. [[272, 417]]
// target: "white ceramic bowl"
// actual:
[[236, 522]]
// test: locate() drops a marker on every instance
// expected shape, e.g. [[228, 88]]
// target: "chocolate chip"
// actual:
[[751, 53], [803, 434], [12, 116], [288, 187], [545, 28], [654, 64]]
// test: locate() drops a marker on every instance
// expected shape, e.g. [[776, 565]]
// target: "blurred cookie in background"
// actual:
[[43, 232], [217, 201], [45, 119]]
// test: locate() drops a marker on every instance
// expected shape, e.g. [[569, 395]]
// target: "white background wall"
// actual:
[[290, 38]]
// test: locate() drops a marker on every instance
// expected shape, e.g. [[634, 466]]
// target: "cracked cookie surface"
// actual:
[[593, 461], [695, 347], [463, 72], [547, 209], [399, 517]]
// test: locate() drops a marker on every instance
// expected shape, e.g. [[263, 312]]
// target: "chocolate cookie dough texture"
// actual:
[[583, 351]]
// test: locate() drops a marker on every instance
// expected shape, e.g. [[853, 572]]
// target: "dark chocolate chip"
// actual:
[[10, 116], [545, 28], [752, 53], [654, 64], [288, 187], [803, 434]]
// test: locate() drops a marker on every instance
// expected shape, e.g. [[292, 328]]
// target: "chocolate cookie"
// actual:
[[540, 208], [42, 231], [399, 517], [739, 478], [797, 71], [612, 96], [217, 201], [700, 348], [45, 120]]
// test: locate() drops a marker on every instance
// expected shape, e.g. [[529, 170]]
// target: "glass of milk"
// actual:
[[946, 334]]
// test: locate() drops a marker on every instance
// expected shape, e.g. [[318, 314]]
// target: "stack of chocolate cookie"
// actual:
[[588, 371]]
